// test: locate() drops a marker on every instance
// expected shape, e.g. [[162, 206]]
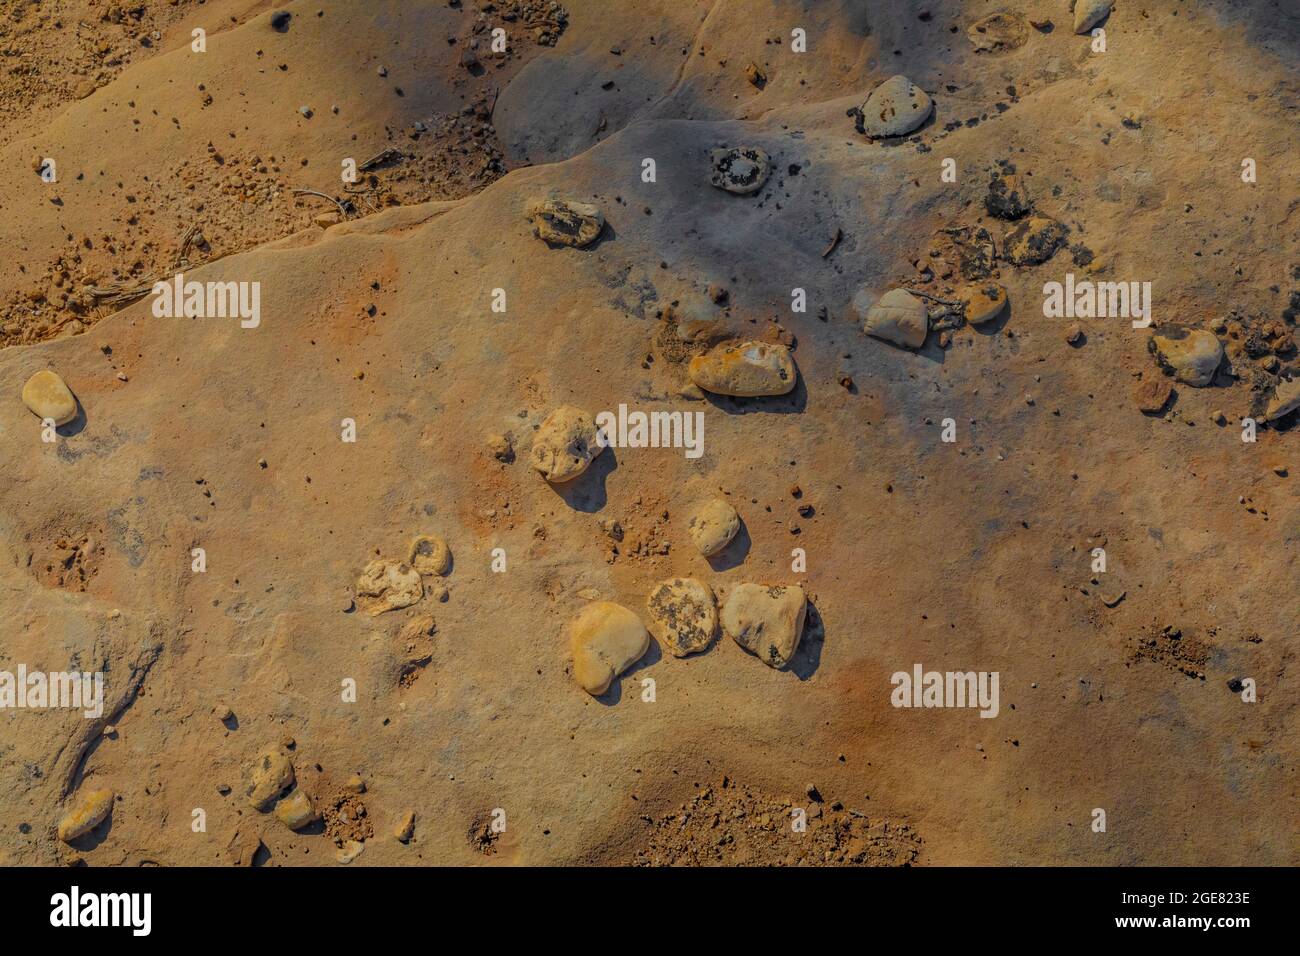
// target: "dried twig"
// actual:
[[118, 294], [835, 241], [311, 192], [185, 245], [379, 159]]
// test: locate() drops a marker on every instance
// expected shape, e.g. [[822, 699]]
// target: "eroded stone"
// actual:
[[563, 222], [766, 620], [741, 170], [683, 615], [1089, 13], [565, 444], [746, 368], [430, 555], [390, 584], [1285, 400], [712, 526], [1192, 355], [269, 776], [295, 811], [605, 639], [897, 316], [1034, 240], [48, 396], [984, 302], [92, 809], [895, 108]]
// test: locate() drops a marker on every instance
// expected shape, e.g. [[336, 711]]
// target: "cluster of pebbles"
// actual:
[[605, 639], [390, 585]]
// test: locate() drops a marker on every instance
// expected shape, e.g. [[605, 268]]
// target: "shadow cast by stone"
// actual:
[[586, 493], [734, 554], [653, 655]]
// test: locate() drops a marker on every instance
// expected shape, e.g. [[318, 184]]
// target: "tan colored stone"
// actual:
[[391, 584], [562, 222], [984, 302], [1285, 400], [1033, 240], [269, 776], [295, 810], [350, 851], [404, 828], [605, 640], [430, 555], [766, 620], [897, 317], [48, 396], [565, 444], [712, 526], [683, 615], [745, 368], [895, 108], [1089, 13], [91, 810], [1193, 355], [1152, 395]]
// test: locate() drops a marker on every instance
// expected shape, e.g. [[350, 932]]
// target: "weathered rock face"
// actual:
[[48, 396], [295, 810], [1007, 197], [404, 827], [1192, 355], [897, 316], [1034, 240], [747, 369], [712, 526], [430, 555], [683, 615], [605, 639], [565, 444], [390, 584], [895, 108], [766, 620], [1151, 395], [90, 811], [965, 251], [350, 851], [562, 222], [998, 33], [984, 302], [1089, 13], [269, 776], [741, 170], [1285, 400]]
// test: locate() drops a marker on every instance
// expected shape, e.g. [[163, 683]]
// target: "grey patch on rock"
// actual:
[[126, 538], [99, 447]]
